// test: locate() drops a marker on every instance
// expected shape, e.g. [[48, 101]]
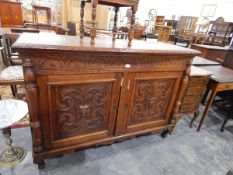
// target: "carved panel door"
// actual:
[[147, 101], [82, 108]]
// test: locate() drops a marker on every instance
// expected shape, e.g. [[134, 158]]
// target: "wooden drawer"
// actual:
[[192, 100], [189, 108], [198, 81], [195, 90]]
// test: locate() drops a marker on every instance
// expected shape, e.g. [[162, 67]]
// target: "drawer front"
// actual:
[[195, 90], [189, 108], [198, 81], [194, 93], [80, 108], [192, 100]]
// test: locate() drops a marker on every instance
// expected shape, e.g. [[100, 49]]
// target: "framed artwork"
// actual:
[[208, 10]]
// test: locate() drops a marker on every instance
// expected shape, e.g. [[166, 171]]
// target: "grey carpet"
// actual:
[[186, 152]]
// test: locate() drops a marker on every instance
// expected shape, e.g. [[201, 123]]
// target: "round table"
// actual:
[[11, 111]]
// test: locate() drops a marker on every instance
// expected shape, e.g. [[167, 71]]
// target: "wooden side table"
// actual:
[[11, 111], [221, 80], [117, 4], [199, 79]]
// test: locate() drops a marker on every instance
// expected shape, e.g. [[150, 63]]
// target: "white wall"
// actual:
[[183, 7]]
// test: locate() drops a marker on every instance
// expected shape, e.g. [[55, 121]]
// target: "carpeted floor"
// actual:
[[186, 152]]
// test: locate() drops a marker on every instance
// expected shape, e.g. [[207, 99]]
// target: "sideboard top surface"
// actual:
[[103, 44]]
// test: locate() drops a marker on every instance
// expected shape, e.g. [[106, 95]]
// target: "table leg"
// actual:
[[196, 114], [11, 156], [207, 108]]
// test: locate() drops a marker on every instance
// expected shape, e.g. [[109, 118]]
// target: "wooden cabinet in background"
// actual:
[[10, 13]]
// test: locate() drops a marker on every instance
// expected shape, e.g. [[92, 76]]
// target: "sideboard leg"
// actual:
[[164, 133], [40, 163]]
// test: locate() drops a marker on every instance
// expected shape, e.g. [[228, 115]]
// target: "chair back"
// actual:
[[8, 41], [186, 27], [23, 30], [72, 28]]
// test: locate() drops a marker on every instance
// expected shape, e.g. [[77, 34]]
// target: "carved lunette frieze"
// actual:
[[74, 61]]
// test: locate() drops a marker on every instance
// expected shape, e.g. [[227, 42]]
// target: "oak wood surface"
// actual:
[[82, 95], [11, 13]]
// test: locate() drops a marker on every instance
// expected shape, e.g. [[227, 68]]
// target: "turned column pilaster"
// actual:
[[32, 97], [93, 25], [131, 29], [184, 85], [114, 30], [81, 19]]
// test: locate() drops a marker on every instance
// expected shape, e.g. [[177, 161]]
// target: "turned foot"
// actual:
[[40, 163], [196, 114], [164, 133]]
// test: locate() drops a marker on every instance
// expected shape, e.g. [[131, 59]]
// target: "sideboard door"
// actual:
[[147, 100], [79, 108]]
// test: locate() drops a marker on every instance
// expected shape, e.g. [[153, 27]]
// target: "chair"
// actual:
[[11, 75], [139, 32], [12, 58], [185, 30], [72, 28]]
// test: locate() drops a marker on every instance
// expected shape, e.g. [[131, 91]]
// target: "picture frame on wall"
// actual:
[[208, 10]]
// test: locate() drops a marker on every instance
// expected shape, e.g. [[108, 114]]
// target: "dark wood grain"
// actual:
[[82, 95]]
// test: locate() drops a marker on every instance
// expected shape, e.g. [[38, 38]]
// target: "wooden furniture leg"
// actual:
[[196, 114], [114, 30], [214, 90], [206, 94], [225, 122], [82, 20], [131, 30], [93, 25]]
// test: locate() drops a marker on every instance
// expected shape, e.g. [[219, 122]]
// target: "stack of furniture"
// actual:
[[220, 33], [185, 30], [201, 30], [10, 13], [161, 31]]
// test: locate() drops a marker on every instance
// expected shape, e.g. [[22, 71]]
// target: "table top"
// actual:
[[11, 111], [199, 72], [220, 74], [211, 47], [73, 43], [6, 30], [199, 61]]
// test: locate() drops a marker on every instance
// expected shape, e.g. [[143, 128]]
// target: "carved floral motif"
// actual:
[[150, 100], [81, 109]]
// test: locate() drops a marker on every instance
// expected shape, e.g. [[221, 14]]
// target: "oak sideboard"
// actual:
[[81, 95]]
